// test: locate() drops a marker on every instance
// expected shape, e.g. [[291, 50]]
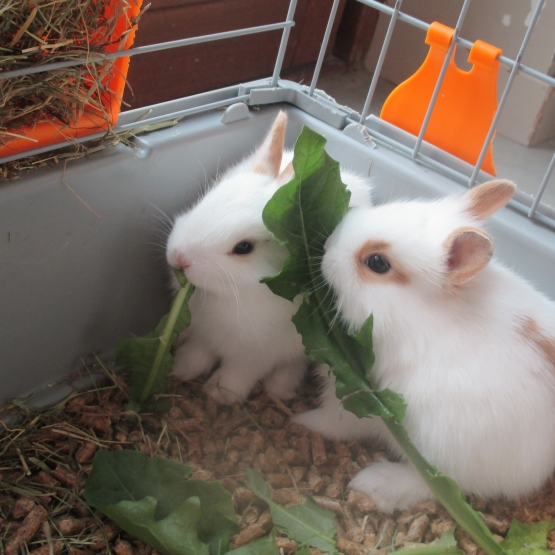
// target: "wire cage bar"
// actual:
[[440, 79], [97, 58], [508, 86], [317, 103], [419, 24], [383, 52], [284, 40], [542, 187], [324, 47]]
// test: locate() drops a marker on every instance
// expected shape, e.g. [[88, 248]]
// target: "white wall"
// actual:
[[529, 116]]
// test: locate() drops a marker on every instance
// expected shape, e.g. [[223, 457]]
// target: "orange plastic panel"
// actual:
[[47, 133], [466, 104]]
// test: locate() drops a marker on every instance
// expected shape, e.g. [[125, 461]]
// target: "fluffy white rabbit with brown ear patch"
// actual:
[[224, 249], [469, 344]]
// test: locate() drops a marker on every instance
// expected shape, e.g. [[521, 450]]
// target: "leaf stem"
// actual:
[[429, 550], [459, 509], [164, 339]]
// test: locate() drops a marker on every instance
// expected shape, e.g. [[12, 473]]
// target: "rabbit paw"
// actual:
[[191, 360], [285, 381], [335, 423], [225, 387], [392, 485], [318, 420]]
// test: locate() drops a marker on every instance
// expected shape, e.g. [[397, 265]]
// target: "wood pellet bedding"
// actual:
[[46, 457]]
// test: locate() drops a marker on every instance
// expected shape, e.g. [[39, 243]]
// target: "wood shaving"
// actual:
[[220, 442]]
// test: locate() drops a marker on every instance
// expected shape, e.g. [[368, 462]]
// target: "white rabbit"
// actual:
[[225, 250], [469, 344]]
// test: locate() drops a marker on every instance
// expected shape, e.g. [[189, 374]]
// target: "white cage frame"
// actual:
[[363, 126]]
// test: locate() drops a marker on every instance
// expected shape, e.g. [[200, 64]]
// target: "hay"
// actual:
[[14, 170], [37, 33]]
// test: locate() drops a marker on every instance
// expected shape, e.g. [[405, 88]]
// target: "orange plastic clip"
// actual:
[[466, 104]]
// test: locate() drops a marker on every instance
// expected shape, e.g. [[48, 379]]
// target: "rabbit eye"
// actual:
[[377, 263], [244, 247]]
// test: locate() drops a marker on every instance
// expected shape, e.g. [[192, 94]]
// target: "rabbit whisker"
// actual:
[[217, 169], [162, 216], [335, 318], [233, 286], [204, 171], [204, 295]]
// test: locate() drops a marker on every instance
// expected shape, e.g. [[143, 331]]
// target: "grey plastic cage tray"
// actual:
[[74, 281]]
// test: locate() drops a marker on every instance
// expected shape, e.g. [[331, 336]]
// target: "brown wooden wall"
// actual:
[[171, 74]]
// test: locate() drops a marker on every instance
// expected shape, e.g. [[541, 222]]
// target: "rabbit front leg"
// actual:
[[334, 422], [192, 357], [234, 379], [285, 380], [392, 485]]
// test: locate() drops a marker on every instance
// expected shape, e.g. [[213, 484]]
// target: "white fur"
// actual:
[[481, 397], [236, 320]]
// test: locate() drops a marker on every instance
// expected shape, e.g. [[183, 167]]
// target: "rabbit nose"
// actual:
[[183, 261], [180, 260]]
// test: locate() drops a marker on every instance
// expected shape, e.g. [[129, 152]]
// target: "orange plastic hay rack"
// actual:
[[93, 120]]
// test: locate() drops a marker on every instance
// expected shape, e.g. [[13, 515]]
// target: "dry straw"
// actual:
[[34, 33]]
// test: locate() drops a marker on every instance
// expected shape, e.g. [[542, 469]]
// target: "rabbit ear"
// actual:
[[487, 198], [468, 251], [267, 159], [287, 174]]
